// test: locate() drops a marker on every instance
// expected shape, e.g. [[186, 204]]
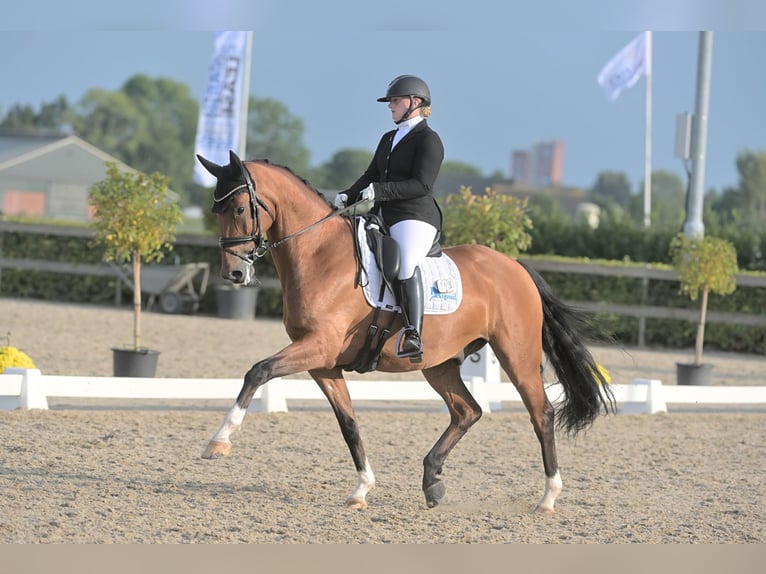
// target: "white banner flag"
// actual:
[[219, 116], [625, 69]]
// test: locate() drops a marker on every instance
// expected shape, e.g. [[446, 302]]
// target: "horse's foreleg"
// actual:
[[365, 483], [220, 444], [334, 387], [464, 412]]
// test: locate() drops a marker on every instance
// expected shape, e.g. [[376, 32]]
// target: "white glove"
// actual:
[[368, 193], [340, 200]]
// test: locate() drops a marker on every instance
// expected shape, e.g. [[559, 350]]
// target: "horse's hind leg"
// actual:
[[334, 387], [464, 411], [524, 371], [543, 423]]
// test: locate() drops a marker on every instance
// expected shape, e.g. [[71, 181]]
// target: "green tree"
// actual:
[[705, 265], [275, 134], [149, 124], [20, 118], [744, 206], [452, 167], [344, 168], [668, 201], [52, 117], [726, 205], [752, 184], [498, 221], [168, 114], [551, 226], [108, 120], [134, 220], [611, 187]]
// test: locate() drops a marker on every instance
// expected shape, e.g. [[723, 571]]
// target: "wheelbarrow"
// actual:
[[175, 288]]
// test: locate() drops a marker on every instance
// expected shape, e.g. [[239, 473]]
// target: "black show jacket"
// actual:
[[404, 177]]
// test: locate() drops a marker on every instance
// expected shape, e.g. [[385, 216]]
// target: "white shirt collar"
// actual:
[[404, 128], [410, 123]]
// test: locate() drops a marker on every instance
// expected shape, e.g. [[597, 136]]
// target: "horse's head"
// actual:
[[239, 213]]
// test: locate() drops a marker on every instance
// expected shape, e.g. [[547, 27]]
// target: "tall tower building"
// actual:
[[540, 166], [520, 167]]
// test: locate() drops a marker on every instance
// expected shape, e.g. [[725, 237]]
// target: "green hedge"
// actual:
[[74, 288], [628, 242], [577, 287], [669, 333]]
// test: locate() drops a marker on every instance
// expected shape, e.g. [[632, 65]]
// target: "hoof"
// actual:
[[217, 449], [545, 510], [356, 504], [434, 493]]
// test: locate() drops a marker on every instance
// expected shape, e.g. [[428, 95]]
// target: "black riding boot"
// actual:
[[411, 301]]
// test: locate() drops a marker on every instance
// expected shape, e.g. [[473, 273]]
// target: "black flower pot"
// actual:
[[129, 362], [236, 302], [691, 374]]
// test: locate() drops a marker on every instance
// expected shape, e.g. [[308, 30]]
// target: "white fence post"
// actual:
[[32, 394], [650, 399], [482, 365], [478, 389], [273, 397]]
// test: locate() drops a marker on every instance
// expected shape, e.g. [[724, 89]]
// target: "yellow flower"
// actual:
[[604, 373], [12, 357]]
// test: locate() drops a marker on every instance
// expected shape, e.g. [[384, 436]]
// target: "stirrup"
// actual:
[[409, 334]]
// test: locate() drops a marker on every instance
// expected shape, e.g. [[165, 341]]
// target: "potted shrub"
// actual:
[[135, 220], [705, 265]]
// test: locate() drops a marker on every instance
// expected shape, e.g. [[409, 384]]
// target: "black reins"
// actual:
[[261, 244]]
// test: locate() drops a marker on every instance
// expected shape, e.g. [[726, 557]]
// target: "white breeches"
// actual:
[[415, 239]]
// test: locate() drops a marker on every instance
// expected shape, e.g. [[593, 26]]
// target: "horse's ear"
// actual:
[[213, 168], [235, 162]]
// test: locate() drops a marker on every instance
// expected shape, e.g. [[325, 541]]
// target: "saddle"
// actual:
[[386, 256], [385, 250]]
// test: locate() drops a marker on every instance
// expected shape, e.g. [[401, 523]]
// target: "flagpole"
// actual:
[[694, 225], [623, 71], [245, 97], [648, 136]]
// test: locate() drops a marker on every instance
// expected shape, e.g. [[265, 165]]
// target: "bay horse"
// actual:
[[266, 208]]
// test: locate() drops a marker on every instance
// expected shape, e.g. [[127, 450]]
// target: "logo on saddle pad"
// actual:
[[442, 287]]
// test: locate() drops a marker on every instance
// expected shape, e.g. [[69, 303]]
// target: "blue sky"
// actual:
[[502, 77]]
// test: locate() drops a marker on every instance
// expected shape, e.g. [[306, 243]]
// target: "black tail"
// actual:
[[586, 392]]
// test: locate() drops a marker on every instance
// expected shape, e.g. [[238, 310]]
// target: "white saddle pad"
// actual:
[[442, 287]]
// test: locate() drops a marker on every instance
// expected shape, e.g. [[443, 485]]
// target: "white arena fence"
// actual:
[[30, 389]]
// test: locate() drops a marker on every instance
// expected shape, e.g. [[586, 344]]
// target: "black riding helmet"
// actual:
[[410, 86]]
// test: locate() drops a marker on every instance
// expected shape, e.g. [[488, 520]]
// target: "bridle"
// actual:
[[261, 246]]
